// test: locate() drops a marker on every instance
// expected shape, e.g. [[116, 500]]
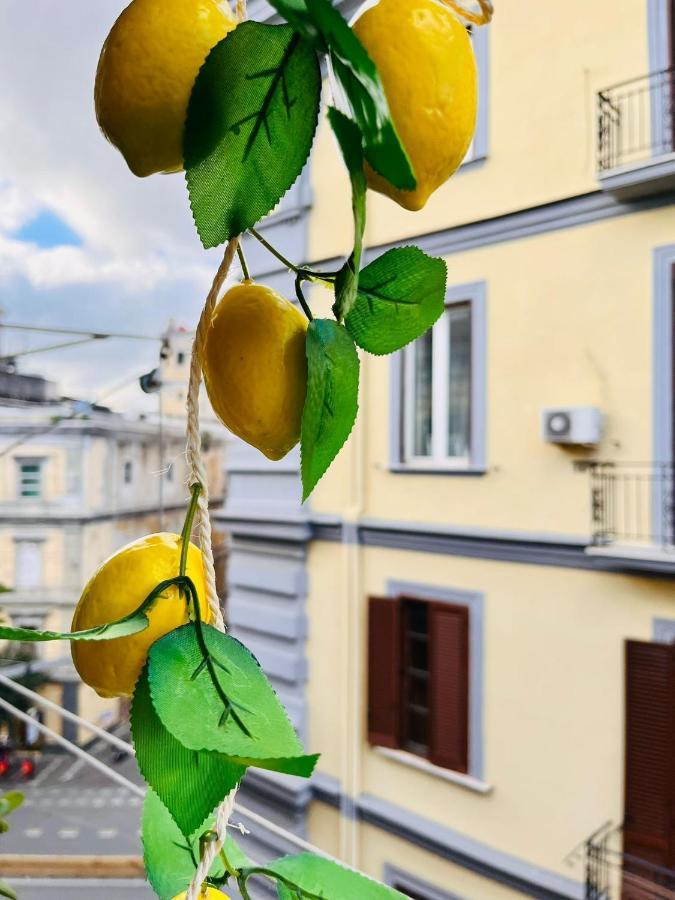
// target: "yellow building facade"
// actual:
[[514, 469]]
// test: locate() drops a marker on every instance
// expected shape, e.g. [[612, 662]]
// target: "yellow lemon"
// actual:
[[255, 368], [425, 59], [209, 894], [118, 588], [145, 75]]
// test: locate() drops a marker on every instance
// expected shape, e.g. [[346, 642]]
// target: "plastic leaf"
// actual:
[[349, 139], [170, 859], [250, 126], [216, 697], [331, 402], [322, 878], [400, 295], [189, 783], [130, 624], [358, 81]]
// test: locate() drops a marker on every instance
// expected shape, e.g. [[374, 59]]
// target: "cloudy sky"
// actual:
[[83, 243]]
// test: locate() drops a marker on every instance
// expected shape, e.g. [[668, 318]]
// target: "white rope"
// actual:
[[197, 471], [198, 474]]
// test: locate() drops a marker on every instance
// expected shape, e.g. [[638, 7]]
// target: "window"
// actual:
[[438, 390], [30, 478], [418, 686], [180, 358], [28, 564], [128, 472]]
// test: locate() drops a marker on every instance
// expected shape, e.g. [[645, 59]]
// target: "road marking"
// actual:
[[64, 801], [33, 832], [106, 833], [68, 833], [117, 801], [98, 802], [134, 801], [48, 769], [72, 770]]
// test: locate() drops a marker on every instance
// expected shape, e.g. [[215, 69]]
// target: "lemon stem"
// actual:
[[301, 297], [273, 250], [242, 262], [302, 271], [187, 526]]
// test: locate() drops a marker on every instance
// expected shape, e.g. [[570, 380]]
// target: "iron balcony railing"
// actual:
[[636, 120], [632, 503], [611, 874]]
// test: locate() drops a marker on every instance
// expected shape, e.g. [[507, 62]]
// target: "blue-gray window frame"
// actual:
[[475, 294], [659, 59], [481, 39], [474, 601], [663, 356]]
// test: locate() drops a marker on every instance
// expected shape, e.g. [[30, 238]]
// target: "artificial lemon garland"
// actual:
[[160, 99]]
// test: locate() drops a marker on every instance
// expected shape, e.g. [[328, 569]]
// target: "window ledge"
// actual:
[[423, 765], [435, 469]]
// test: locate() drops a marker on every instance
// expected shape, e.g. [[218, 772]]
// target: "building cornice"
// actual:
[[562, 551]]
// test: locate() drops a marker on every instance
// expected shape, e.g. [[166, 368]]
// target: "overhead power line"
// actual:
[[10, 357], [79, 414], [93, 335]]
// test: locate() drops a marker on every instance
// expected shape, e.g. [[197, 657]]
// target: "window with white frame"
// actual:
[[438, 391], [28, 564], [29, 478]]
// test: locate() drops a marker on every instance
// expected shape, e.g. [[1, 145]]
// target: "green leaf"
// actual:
[[130, 624], [349, 139], [400, 296], [359, 81], [214, 696], [189, 783], [9, 802], [6, 891], [331, 402], [171, 859], [356, 75], [285, 893], [323, 878], [250, 126]]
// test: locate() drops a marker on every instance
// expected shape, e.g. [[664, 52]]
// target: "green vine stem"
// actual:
[[305, 273], [187, 527], [301, 297], [242, 263]]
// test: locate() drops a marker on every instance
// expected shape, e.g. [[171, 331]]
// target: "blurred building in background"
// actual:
[[473, 617], [77, 482]]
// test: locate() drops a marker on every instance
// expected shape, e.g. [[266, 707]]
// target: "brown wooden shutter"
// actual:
[[449, 689], [649, 824], [384, 671]]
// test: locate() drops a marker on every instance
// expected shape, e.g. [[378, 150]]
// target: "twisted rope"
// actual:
[[198, 474], [471, 15]]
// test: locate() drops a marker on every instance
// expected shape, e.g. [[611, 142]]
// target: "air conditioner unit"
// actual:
[[571, 425]]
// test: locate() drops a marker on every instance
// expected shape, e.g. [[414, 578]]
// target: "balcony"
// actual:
[[612, 874], [632, 513], [636, 136]]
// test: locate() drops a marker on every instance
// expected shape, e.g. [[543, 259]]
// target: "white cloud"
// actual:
[[140, 262]]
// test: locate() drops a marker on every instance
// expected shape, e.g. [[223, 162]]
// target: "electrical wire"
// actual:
[[10, 357], [48, 329], [75, 415]]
